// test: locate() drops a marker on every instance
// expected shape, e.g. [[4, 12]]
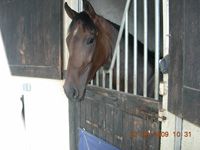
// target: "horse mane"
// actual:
[[85, 19]]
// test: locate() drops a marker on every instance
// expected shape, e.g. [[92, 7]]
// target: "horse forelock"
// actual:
[[86, 21]]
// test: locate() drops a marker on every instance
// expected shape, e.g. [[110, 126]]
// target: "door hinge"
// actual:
[[159, 116], [163, 90]]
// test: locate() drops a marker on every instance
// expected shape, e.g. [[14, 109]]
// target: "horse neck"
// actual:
[[110, 33]]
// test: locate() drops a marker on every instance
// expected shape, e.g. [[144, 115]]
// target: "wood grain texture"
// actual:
[[176, 56], [184, 71], [32, 35], [112, 115]]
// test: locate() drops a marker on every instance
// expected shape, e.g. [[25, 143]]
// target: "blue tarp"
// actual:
[[88, 141]]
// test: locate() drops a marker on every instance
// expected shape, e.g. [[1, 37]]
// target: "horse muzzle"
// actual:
[[73, 94]]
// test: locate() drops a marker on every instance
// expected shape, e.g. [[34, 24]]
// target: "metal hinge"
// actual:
[[160, 116], [163, 90]]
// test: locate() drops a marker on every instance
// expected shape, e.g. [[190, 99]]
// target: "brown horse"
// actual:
[[91, 42]]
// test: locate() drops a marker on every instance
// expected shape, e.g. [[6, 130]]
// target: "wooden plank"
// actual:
[[191, 88], [192, 45], [88, 114], [95, 118], [137, 129], [77, 120], [102, 121], [122, 101], [72, 131], [118, 128], [176, 56], [191, 101], [83, 112], [109, 124], [127, 128], [153, 141]]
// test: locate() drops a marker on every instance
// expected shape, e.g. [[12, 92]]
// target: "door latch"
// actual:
[[160, 117]]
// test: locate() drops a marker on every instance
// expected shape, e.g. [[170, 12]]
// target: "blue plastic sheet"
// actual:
[[88, 141]]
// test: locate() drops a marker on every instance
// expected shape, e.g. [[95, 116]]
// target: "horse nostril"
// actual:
[[74, 93]]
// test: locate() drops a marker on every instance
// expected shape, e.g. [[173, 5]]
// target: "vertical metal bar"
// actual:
[[80, 5], [145, 48], [97, 78], [110, 79], [91, 82], [178, 129], [135, 49], [118, 69], [157, 46], [126, 54], [120, 34], [103, 79]]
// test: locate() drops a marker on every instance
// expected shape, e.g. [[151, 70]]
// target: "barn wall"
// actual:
[[46, 110], [46, 113]]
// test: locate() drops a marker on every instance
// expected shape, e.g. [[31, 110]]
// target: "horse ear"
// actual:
[[71, 13], [88, 8]]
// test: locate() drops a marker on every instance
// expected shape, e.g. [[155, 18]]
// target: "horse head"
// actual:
[[88, 42]]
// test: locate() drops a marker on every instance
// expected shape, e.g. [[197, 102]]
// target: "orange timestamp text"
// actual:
[[160, 134]]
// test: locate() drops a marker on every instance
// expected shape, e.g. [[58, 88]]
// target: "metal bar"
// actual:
[[157, 46], [135, 49], [91, 82], [126, 55], [103, 78], [80, 5], [97, 78], [178, 130], [165, 27], [145, 48], [120, 34], [118, 69], [110, 79]]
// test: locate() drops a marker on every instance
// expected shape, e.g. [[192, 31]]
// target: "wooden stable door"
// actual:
[[123, 120], [184, 69], [32, 36]]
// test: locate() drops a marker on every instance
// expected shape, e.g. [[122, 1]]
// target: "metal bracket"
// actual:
[[161, 115], [164, 64]]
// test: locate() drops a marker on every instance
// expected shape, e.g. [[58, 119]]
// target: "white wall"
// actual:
[[46, 109]]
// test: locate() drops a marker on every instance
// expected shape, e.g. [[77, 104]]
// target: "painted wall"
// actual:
[[46, 113], [46, 109]]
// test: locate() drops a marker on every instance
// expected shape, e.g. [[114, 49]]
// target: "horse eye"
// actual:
[[90, 41]]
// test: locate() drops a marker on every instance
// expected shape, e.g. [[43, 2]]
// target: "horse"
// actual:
[[91, 42]]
